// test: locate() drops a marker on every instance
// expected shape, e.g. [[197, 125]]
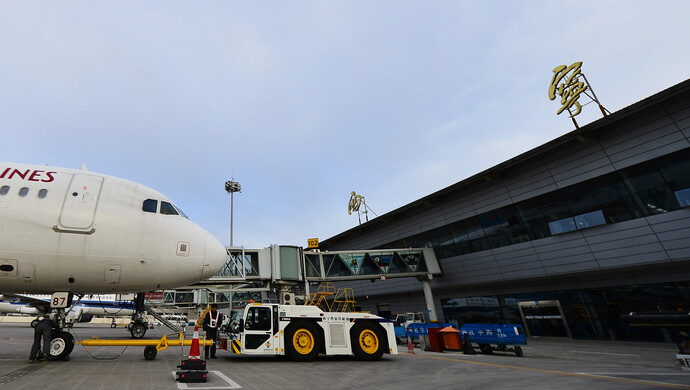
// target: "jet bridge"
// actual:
[[281, 268]]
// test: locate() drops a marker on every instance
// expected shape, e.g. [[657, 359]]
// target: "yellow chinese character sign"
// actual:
[[566, 84], [356, 201]]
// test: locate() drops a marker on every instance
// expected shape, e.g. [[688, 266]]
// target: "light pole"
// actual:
[[231, 187]]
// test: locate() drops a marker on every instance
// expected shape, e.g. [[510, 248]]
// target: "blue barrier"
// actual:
[[416, 329], [500, 335]]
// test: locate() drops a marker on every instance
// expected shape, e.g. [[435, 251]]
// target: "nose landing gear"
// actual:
[[137, 327]]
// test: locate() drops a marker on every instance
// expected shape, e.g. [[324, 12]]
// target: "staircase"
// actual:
[[159, 317]]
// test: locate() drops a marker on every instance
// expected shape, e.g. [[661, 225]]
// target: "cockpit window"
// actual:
[[150, 206], [168, 209], [180, 212]]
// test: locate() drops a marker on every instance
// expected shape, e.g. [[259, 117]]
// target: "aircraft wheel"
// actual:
[[367, 341], [138, 330], [150, 352], [33, 323], [301, 341], [61, 346]]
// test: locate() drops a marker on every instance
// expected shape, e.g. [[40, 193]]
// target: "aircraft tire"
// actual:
[[33, 323], [138, 330], [367, 341], [61, 346]]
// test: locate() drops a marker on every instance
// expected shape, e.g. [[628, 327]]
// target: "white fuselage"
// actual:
[[83, 232]]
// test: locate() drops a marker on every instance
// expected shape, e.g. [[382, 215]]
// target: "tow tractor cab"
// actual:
[[302, 332]]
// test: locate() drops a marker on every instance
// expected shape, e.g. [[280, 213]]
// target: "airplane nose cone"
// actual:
[[215, 258]]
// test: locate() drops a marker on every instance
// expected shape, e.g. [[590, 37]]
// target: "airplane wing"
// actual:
[[38, 303]]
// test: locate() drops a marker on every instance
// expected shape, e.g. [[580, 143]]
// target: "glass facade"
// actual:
[[653, 187], [583, 314]]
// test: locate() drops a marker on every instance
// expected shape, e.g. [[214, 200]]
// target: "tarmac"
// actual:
[[548, 363]]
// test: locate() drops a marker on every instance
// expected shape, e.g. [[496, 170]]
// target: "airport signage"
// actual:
[[312, 243]]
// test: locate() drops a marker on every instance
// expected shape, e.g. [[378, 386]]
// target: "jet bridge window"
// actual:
[[150, 206]]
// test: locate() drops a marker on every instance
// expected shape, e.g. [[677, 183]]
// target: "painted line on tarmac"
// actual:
[[636, 373], [14, 375], [563, 373], [606, 353]]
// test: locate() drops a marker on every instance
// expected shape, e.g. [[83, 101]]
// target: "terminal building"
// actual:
[[564, 238]]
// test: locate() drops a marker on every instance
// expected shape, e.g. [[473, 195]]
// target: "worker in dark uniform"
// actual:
[[42, 331], [211, 323]]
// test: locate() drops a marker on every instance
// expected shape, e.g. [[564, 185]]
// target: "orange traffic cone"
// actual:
[[410, 348], [194, 352], [193, 369]]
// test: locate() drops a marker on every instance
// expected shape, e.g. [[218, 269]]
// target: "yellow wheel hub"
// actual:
[[368, 341], [303, 341]]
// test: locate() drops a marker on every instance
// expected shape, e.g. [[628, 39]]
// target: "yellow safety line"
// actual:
[[564, 373]]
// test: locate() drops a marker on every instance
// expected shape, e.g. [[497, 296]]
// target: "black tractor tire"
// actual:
[[302, 341], [367, 341], [34, 322]]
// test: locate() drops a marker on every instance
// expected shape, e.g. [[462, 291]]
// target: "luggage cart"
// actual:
[[496, 337]]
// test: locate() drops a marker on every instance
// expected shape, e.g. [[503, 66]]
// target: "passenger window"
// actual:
[[23, 191], [42, 193], [4, 190], [168, 209], [150, 205]]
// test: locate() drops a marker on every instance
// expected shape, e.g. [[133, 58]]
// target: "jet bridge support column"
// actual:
[[429, 298]]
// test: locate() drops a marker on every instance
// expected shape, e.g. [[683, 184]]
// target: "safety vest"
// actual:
[[213, 322]]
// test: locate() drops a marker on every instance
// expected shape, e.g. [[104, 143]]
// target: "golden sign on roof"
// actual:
[[354, 203], [566, 84]]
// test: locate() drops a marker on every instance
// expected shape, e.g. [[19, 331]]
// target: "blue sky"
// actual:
[[303, 102]]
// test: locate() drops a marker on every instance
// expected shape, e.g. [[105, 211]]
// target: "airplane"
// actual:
[[70, 232], [93, 305]]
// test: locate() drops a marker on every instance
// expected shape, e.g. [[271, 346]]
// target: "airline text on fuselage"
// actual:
[[28, 175]]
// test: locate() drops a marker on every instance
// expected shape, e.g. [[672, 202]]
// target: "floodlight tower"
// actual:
[[231, 187]]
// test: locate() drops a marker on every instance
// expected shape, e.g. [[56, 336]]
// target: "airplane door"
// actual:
[[79, 208], [257, 336]]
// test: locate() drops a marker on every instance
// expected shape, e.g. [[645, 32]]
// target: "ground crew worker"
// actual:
[[43, 330], [211, 323]]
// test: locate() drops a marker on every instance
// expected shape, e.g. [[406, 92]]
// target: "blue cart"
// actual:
[[497, 337]]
